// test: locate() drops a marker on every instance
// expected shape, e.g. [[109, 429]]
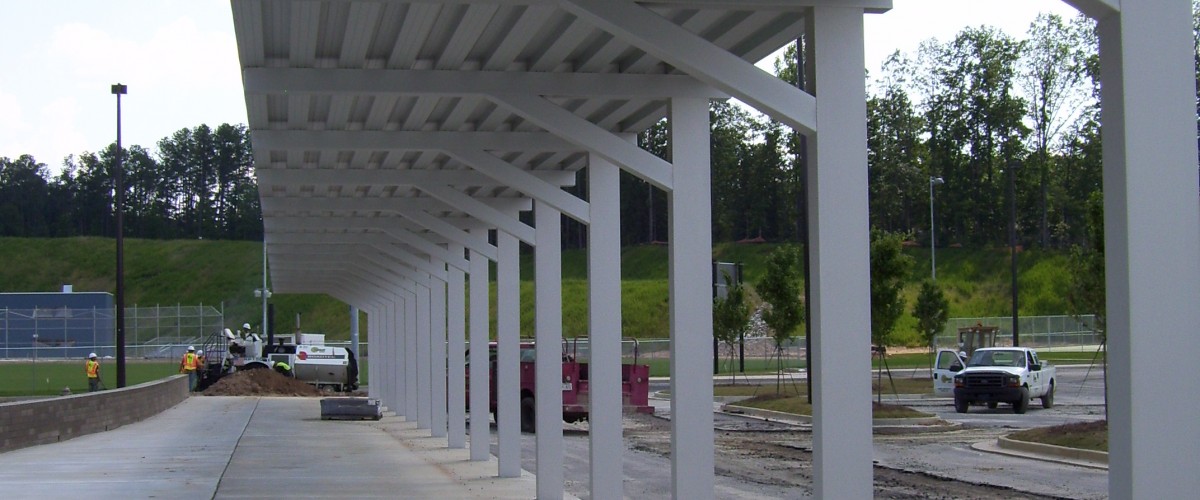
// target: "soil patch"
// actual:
[[260, 383]]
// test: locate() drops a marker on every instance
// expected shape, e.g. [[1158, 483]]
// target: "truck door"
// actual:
[[948, 364]]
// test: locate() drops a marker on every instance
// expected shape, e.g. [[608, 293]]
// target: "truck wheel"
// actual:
[[961, 405], [1021, 405], [993, 404], [1048, 399], [528, 415]]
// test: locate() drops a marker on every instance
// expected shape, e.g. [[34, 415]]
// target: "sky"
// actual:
[[179, 60]]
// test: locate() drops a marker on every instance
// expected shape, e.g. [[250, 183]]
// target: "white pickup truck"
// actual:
[[994, 375]]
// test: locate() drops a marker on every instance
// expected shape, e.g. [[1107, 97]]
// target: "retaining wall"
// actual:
[[43, 421]]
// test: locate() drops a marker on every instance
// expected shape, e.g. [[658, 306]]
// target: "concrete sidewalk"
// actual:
[[251, 447]]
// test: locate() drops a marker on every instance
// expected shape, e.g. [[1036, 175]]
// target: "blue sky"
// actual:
[[179, 59]]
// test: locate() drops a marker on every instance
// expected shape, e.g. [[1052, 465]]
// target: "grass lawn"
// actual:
[[1086, 435], [798, 406], [47, 378], [26, 378]]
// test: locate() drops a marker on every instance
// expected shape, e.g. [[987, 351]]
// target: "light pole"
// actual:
[[932, 234], [120, 90], [1012, 243]]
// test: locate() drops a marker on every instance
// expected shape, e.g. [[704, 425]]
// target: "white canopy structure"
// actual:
[[396, 142]]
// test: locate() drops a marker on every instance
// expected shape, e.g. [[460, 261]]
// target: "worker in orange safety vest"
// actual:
[[188, 365], [93, 373]]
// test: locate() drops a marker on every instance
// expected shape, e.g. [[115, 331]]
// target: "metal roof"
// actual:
[[367, 114]]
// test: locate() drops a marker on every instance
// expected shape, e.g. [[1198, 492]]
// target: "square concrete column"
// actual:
[[481, 386], [690, 286], [548, 363], [1152, 248], [424, 355], [508, 367], [840, 260], [374, 341], [604, 327], [410, 356], [456, 352]]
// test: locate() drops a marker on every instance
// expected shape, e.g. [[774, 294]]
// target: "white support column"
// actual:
[[481, 386], [840, 260], [691, 302], [410, 356], [375, 340], [1151, 221], [604, 326], [394, 342], [354, 331], [508, 368], [424, 357], [548, 364], [437, 351], [455, 334]]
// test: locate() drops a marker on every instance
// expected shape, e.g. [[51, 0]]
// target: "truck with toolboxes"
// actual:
[[576, 384]]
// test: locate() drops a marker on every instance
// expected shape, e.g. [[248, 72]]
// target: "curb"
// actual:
[[892, 426], [1053, 450]]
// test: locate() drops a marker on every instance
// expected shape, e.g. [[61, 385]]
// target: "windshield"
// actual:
[[1011, 358]]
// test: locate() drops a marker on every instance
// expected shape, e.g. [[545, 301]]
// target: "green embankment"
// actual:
[[225, 273]]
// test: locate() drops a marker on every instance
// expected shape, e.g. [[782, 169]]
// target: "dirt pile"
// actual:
[[260, 383]]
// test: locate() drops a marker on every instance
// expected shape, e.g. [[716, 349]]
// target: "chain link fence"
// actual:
[[159, 332]]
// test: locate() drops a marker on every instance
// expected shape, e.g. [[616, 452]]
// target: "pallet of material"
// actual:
[[351, 409]]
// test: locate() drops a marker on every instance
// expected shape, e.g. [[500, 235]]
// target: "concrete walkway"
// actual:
[[251, 447]]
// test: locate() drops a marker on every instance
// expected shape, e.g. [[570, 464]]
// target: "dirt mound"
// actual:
[[260, 383]]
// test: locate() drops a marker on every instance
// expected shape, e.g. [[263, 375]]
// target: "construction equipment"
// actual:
[[326, 367]]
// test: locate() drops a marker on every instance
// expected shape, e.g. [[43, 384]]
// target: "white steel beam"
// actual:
[[377, 204], [294, 177], [392, 226], [658, 36], [479, 210], [604, 328], [587, 135], [455, 83], [508, 337], [840, 260], [405, 140], [691, 302], [548, 344], [1152, 244], [523, 181]]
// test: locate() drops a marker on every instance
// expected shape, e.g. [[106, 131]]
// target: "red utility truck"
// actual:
[[635, 384]]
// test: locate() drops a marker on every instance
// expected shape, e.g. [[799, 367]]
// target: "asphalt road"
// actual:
[[1080, 397]]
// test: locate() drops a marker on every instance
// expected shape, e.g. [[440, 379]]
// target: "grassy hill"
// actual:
[[217, 273]]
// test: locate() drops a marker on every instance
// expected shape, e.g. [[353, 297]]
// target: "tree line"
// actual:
[[200, 184], [983, 112]]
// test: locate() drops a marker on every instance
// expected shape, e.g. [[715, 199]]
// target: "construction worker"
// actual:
[[188, 365], [283, 368], [92, 368]]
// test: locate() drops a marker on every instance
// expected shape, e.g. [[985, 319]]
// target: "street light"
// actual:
[[933, 235], [120, 90]]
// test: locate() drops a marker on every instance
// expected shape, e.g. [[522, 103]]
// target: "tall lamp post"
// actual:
[[933, 234], [1012, 243], [120, 90]]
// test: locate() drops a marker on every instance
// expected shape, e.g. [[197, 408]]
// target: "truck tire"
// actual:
[[1022, 405], [528, 415], [1048, 399], [992, 405], [961, 405]]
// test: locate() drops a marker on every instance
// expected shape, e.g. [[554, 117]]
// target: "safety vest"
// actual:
[[190, 362], [282, 366], [93, 369]]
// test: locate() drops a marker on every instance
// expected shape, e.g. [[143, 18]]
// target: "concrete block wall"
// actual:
[[43, 421]]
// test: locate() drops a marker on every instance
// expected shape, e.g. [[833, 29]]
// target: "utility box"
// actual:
[[311, 339], [351, 409]]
